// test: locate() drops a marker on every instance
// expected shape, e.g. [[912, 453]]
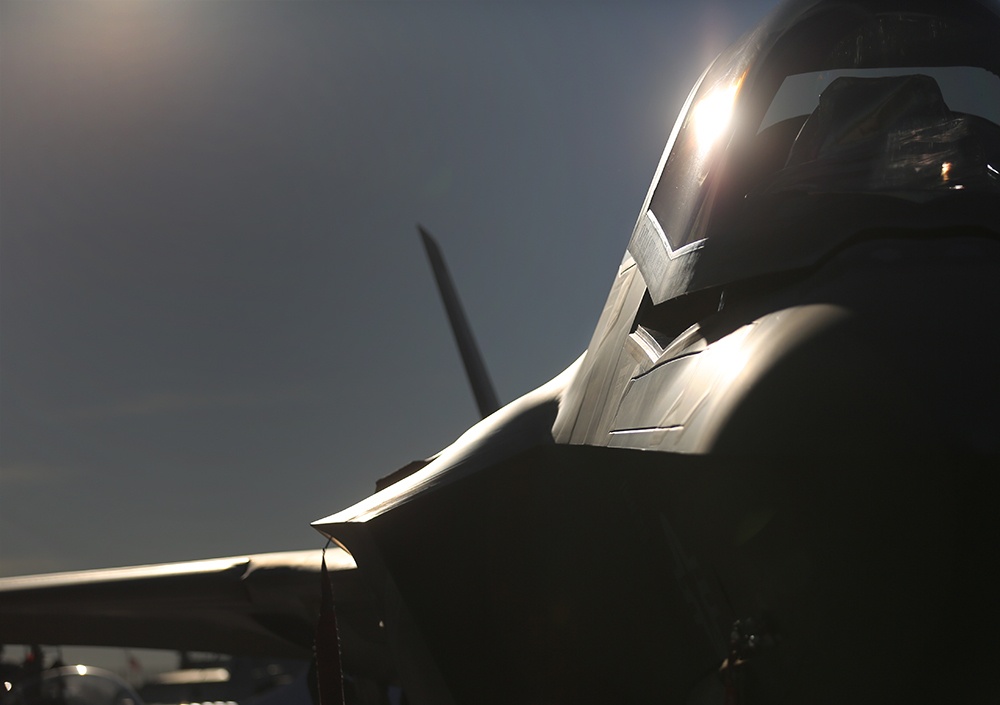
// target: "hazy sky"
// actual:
[[216, 321]]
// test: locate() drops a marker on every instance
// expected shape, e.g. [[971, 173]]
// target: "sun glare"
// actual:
[[712, 115]]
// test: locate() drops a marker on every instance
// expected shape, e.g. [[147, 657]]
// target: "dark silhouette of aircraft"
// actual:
[[772, 477]]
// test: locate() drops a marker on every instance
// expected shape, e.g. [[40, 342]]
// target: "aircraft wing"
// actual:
[[265, 604]]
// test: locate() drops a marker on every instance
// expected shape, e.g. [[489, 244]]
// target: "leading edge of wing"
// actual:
[[263, 604]]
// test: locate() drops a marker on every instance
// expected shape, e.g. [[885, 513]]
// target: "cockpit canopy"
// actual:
[[831, 119]]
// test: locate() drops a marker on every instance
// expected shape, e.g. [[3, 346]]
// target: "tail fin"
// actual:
[[475, 369]]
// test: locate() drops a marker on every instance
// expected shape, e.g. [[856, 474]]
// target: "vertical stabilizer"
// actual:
[[475, 369]]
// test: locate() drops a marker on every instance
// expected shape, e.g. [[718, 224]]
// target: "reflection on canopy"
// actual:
[[712, 115]]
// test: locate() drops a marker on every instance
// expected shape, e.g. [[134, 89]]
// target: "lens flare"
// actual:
[[712, 115]]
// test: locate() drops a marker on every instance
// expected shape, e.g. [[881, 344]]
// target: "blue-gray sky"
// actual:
[[216, 321]]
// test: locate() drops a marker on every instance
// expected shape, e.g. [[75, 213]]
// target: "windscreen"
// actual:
[[913, 133]]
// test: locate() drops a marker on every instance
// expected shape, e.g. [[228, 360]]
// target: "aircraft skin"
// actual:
[[772, 476]]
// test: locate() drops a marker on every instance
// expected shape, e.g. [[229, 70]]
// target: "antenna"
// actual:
[[475, 369]]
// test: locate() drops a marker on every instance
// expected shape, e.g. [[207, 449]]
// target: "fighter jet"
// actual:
[[772, 476]]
